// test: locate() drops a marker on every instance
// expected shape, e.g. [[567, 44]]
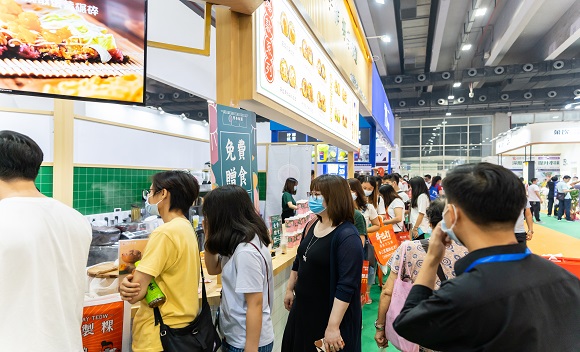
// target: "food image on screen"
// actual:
[[77, 49]]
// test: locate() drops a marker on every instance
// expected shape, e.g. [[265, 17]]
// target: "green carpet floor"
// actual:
[[570, 228], [369, 316]]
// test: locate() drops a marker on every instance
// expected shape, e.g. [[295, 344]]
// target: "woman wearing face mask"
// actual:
[[415, 252], [419, 203], [371, 190], [331, 252], [373, 224], [288, 202], [237, 248], [171, 257], [361, 204]]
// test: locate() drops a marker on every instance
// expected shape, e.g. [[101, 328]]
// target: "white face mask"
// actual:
[[295, 188], [368, 193], [354, 196]]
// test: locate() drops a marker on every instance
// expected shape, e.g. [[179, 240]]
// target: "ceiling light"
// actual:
[[380, 1], [480, 12], [568, 106], [448, 114], [577, 107], [577, 97], [555, 117], [386, 39], [451, 97], [466, 47], [184, 118], [445, 122], [210, 101], [456, 84]]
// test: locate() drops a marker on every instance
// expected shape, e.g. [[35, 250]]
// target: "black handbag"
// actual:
[[199, 336], [560, 196]]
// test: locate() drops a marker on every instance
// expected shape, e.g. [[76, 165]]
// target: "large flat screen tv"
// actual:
[[81, 49]]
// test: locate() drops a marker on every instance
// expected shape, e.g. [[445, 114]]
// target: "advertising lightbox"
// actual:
[[382, 113], [81, 49]]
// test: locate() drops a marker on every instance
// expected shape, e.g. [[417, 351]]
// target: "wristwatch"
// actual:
[[379, 326]]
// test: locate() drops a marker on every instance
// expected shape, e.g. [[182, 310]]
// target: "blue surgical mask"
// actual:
[[449, 230], [315, 204], [152, 209]]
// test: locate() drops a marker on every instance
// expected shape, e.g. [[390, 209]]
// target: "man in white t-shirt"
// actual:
[[44, 246], [519, 229], [535, 199], [565, 204]]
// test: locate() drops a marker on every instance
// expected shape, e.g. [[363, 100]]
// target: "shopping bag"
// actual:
[[570, 264], [385, 243], [401, 290], [364, 281]]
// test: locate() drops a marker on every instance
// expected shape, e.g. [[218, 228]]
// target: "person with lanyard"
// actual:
[[504, 298], [288, 203]]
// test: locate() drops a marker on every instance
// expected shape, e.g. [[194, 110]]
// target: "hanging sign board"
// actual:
[[295, 72], [233, 148]]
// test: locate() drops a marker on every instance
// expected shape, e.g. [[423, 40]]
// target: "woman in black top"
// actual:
[[551, 185], [288, 202], [323, 294]]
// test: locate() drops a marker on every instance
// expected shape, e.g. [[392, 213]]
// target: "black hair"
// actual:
[[311, 172], [489, 194], [435, 212], [20, 157], [374, 197], [394, 177], [554, 178], [418, 187], [427, 176], [521, 179], [357, 175], [435, 179], [291, 182], [230, 219], [534, 179], [361, 199], [389, 194], [181, 185], [566, 177]]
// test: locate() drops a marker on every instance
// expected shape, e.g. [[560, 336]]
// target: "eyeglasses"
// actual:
[[150, 192]]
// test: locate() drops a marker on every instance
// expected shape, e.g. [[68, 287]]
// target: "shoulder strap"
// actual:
[[307, 228], [267, 277], [440, 272]]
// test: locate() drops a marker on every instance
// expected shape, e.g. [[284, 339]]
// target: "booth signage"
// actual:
[[104, 327], [382, 113], [233, 148], [295, 72], [276, 228], [337, 31]]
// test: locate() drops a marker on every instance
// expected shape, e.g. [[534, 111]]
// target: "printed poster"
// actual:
[[276, 227], [106, 325], [233, 148]]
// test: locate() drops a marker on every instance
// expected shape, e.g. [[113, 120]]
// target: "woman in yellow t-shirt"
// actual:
[[171, 258]]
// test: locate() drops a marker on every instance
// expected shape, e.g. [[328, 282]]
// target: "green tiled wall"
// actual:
[[262, 185], [44, 180], [100, 190]]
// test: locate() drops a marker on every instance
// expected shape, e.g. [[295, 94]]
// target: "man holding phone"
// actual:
[[504, 298]]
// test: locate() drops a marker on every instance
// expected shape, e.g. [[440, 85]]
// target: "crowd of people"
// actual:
[[471, 282]]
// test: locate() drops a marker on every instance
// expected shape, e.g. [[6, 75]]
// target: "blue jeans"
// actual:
[[227, 348], [565, 206]]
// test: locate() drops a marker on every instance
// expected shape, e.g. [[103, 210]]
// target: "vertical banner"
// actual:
[[286, 161], [276, 227], [106, 325], [233, 148]]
